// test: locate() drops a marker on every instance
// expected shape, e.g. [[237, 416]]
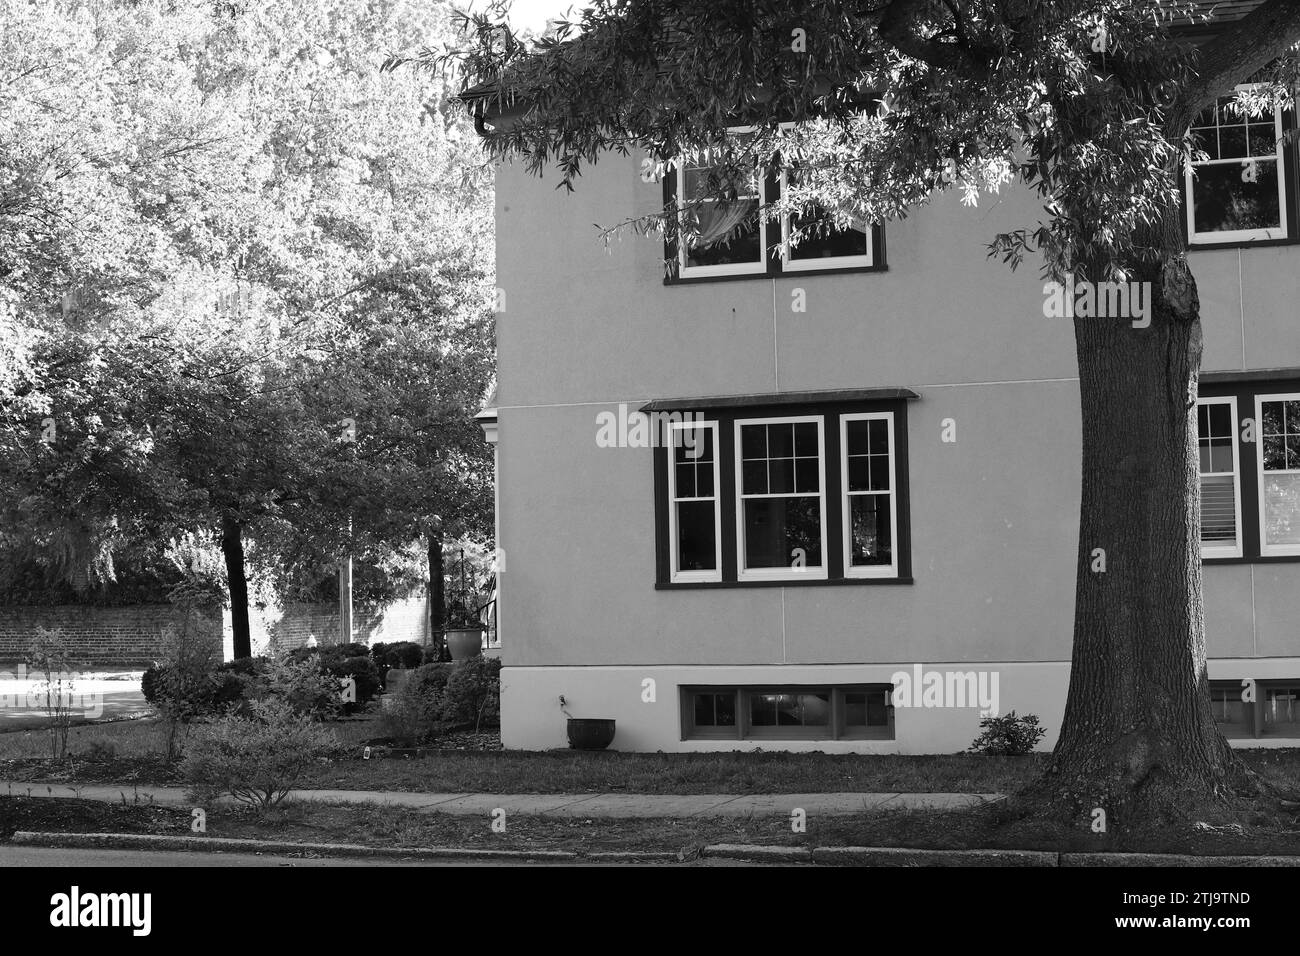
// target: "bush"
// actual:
[[255, 758], [433, 653], [1008, 735], [362, 670], [473, 692], [303, 684], [402, 654], [415, 712]]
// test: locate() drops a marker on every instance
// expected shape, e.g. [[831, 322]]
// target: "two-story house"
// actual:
[[875, 466]]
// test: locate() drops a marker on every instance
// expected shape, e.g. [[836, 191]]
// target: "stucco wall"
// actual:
[[993, 515]]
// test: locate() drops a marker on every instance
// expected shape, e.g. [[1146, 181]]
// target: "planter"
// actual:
[[590, 733], [464, 642]]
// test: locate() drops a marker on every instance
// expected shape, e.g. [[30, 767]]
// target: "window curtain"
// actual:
[[717, 219]]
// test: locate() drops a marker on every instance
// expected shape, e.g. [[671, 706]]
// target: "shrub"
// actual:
[[368, 677], [1008, 735], [255, 758], [184, 680], [433, 653], [402, 654], [473, 692], [303, 685], [415, 712]]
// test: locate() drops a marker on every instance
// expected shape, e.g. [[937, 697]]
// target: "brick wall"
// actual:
[[284, 628], [95, 636]]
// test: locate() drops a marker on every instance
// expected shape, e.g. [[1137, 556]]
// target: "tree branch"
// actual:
[[897, 26], [1242, 50]]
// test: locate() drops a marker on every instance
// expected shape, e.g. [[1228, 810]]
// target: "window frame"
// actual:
[[744, 730], [757, 268], [846, 512], [1215, 551], [1265, 549], [1286, 232], [822, 571], [773, 265], [726, 410], [676, 575], [818, 265]]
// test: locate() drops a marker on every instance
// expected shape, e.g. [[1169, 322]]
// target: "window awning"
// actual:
[[816, 397]]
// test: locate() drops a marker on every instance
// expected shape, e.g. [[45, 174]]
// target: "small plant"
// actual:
[[1007, 736], [258, 758], [304, 685], [473, 692], [47, 655]]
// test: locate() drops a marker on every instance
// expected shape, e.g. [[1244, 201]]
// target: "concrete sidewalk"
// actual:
[[550, 805]]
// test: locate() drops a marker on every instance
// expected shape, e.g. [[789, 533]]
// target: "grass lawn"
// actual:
[[129, 752], [981, 828]]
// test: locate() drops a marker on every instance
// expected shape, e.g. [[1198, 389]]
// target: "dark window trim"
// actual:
[[1244, 387], [1290, 212], [726, 418], [743, 731], [775, 268]]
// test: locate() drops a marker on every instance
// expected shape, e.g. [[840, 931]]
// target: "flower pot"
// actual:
[[590, 733], [464, 642]]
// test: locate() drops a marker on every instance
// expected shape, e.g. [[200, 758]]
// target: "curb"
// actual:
[[903, 856], [144, 841], [1172, 859]]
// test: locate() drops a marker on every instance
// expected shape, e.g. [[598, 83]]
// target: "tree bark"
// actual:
[[437, 592], [232, 546], [1138, 738]]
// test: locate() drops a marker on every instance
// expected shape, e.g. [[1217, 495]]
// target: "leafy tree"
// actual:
[[234, 259], [1086, 103]]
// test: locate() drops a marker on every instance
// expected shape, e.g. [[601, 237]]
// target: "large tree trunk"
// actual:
[[232, 546], [1138, 738]]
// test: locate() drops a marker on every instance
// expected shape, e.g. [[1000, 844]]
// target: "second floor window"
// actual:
[[733, 237], [1238, 191]]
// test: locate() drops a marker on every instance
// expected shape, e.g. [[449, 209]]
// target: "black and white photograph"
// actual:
[[640, 438]]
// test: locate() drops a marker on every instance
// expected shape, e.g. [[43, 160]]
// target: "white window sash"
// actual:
[[808, 573], [676, 575], [1241, 235], [846, 524], [1214, 550], [789, 264], [1266, 549], [759, 267]]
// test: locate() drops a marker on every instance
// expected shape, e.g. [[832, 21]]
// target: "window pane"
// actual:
[[855, 710], [805, 440], [1282, 711], [780, 476], [685, 481], [753, 480], [693, 444], [807, 475], [774, 527], [855, 434], [780, 441], [1225, 202], [1282, 509], [704, 716], [878, 708], [1219, 510], [696, 541], [704, 481], [1231, 713], [728, 228], [753, 441], [869, 526], [819, 237]]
